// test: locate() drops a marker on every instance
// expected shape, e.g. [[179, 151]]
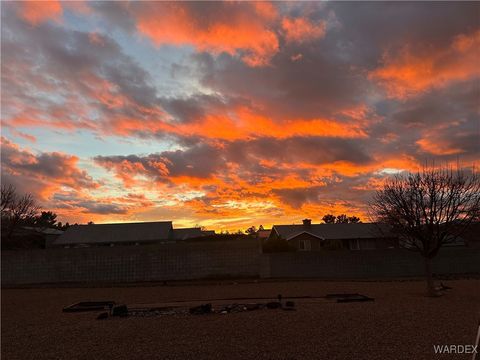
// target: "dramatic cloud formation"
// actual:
[[42, 173], [214, 27], [406, 73], [229, 114], [71, 80]]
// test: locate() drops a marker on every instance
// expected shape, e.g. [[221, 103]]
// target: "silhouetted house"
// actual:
[[112, 234], [49, 234], [314, 237], [124, 234], [32, 237], [187, 233]]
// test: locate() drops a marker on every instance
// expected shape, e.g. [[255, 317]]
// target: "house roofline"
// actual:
[[274, 228], [305, 232]]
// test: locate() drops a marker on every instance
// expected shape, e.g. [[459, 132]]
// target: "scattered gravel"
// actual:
[[400, 324]]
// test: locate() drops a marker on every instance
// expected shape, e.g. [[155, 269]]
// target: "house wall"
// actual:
[[49, 240], [180, 261], [378, 243], [385, 243], [314, 241], [317, 244]]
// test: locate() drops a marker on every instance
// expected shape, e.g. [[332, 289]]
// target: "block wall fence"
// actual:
[[217, 260], [368, 264], [178, 261]]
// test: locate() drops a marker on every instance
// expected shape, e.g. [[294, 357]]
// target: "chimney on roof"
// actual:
[[307, 222]]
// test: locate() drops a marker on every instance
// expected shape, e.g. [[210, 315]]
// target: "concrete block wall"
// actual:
[[368, 264], [181, 261], [219, 259]]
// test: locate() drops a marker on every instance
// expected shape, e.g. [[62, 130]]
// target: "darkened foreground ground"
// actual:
[[400, 324]]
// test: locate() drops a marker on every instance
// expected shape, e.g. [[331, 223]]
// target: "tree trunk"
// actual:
[[429, 277]]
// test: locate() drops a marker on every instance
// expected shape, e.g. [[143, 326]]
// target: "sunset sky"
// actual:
[[232, 114]]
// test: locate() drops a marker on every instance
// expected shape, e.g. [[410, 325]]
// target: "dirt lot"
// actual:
[[400, 324]]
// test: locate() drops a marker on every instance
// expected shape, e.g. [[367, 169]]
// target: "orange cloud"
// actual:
[[437, 148], [239, 29], [96, 38], [446, 139], [241, 194], [239, 123], [36, 12], [42, 174], [252, 124], [407, 73], [57, 119], [224, 128], [301, 29]]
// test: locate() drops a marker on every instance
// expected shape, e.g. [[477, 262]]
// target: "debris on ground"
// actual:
[[156, 311], [251, 307], [442, 287], [289, 306], [232, 308], [345, 298], [273, 305], [201, 310], [89, 306], [120, 310], [207, 308]]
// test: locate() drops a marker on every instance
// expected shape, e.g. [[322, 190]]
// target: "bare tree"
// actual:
[[7, 196], [428, 209], [15, 208]]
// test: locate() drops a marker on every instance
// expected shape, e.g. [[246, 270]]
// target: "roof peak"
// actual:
[[324, 224]]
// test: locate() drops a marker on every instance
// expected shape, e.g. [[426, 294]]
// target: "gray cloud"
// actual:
[[296, 197], [71, 78], [312, 150], [198, 161], [87, 206], [447, 117], [202, 160], [41, 170], [368, 28]]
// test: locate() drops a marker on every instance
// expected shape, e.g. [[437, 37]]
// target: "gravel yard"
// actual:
[[400, 324]]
